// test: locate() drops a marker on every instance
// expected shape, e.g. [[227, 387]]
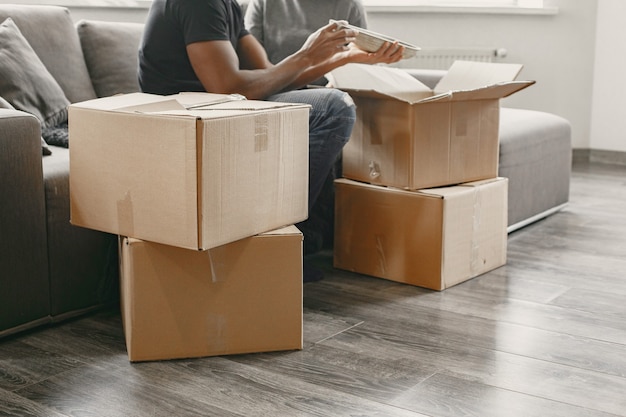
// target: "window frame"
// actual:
[[443, 3], [385, 6], [532, 7]]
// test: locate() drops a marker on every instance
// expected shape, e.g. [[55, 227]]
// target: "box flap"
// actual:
[[153, 103], [489, 92], [386, 81], [250, 105], [443, 192], [468, 75], [464, 81], [166, 105], [459, 188], [407, 97], [192, 105], [120, 101], [208, 101], [195, 99], [288, 230], [217, 112]]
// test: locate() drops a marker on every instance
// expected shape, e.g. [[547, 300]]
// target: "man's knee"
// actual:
[[341, 105], [336, 117]]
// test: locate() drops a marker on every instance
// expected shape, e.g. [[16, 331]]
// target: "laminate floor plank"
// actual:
[[447, 396], [521, 284], [544, 335], [97, 340], [524, 375], [13, 405], [252, 390], [356, 373], [601, 302], [458, 299], [461, 328], [94, 391], [22, 365], [582, 275], [553, 346], [318, 326], [590, 263]]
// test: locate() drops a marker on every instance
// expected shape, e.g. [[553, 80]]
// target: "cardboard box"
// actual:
[[242, 297], [194, 170], [432, 238], [409, 136]]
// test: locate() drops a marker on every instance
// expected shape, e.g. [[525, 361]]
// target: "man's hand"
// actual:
[[388, 53], [326, 42]]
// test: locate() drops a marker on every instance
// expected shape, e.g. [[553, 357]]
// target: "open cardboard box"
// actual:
[[433, 238], [409, 136], [193, 170]]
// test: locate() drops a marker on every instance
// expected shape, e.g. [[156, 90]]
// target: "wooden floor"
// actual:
[[544, 336]]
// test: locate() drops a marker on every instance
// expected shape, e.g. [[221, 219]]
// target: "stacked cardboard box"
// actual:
[[241, 297], [421, 202], [199, 187]]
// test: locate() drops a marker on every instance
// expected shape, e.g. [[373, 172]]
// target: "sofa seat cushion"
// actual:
[[536, 155], [110, 50], [82, 263], [51, 33]]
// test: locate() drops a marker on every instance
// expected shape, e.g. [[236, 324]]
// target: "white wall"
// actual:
[[608, 111], [557, 51]]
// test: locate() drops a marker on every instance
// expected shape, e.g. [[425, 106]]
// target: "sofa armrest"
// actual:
[[24, 262], [20, 144], [20, 148]]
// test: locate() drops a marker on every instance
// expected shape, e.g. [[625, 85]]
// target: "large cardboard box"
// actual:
[[432, 238], [242, 297], [193, 170], [409, 136]]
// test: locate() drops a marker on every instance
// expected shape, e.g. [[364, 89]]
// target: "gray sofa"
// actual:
[[51, 270]]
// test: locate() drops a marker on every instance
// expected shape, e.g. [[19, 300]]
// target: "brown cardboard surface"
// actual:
[[193, 170], [468, 76], [242, 297], [407, 136], [433, 238]]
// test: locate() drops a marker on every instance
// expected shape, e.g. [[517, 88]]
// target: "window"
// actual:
[[460, 3], [532, 6]]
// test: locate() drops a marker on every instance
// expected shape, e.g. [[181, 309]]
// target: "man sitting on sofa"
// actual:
[[282, 27], [204, 46]]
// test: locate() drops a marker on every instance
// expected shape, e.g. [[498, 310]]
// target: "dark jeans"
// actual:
[[331, 120]]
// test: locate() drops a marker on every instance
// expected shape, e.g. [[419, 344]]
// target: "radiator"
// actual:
[[442, 58]]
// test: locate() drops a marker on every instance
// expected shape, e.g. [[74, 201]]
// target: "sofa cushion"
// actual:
[[45, 149], [51, 33], [82, 263], [536, 157], [110, 50], [24, 80]]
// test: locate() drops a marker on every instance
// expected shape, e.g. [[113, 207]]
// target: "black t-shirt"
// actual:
[[164, 66]]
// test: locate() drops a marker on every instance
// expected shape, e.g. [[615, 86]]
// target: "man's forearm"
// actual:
[[316, 72]]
